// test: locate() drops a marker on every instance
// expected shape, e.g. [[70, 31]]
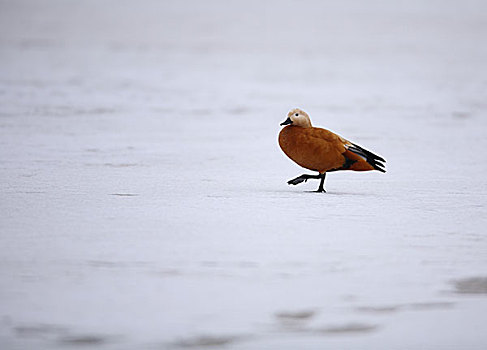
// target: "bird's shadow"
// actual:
[[324, 194], [333, 193]]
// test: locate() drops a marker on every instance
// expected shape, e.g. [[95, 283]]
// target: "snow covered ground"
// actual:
[[143, 196]]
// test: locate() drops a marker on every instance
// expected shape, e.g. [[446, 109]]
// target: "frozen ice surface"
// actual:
[[143, 196]]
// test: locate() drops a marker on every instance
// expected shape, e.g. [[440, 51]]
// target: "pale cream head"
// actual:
[[299, 118]]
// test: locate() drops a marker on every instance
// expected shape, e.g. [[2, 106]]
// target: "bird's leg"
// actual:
[[303, 178], [322, 182]]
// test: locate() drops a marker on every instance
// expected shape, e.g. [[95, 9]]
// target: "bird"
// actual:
[[321, 150]]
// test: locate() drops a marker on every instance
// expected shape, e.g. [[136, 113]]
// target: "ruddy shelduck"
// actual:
[[321, 150]]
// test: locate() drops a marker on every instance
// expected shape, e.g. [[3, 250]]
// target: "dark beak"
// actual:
[[287, 121]]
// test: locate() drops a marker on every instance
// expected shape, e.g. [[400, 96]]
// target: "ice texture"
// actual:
[[143, 195]]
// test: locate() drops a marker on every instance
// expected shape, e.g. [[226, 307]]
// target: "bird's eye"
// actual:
[[296, 114]]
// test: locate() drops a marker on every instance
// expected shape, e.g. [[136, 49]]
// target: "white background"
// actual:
[[143, 195]]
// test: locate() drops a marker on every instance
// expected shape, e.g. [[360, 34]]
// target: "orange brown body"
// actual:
[[321, 150]]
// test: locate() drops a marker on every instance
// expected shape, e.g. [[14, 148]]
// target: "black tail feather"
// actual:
[[370, 154], [371, 158]]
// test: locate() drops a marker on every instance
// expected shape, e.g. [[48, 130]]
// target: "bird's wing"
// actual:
[[323, 149], [329, 138], [355, 157], [371, 158]]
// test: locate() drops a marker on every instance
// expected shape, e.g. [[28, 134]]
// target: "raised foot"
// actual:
[[302, 178], [297, 180]]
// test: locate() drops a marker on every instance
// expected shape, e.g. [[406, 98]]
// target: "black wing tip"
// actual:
[[380, 158], [370, 154]]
